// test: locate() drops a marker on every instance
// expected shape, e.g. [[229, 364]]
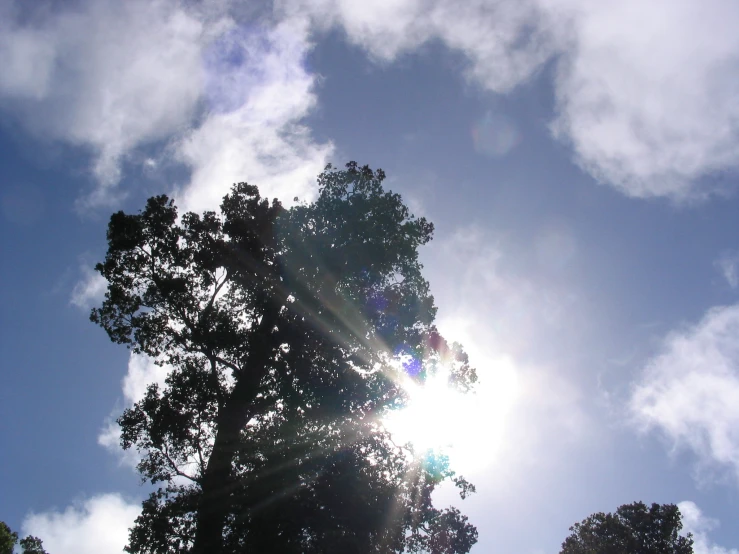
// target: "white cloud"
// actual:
[[108, 76], [89, 290], [503, 40], [98, 525], [255, 134], [112, 77], [27, 58], [690, 391], [644, 109], [110, 439], [728, 265], [695, 522], [142, 372]]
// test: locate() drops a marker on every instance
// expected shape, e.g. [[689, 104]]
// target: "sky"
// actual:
[[578, 159]]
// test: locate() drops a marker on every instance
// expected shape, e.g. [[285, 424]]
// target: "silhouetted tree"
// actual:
[[8, 540], [285, 332], [633, 529]]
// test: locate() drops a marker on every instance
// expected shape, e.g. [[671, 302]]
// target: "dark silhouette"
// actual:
[[8, 540], [633, 529], [283, 329]]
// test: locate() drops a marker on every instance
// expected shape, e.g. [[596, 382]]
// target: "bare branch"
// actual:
[[165, 451]]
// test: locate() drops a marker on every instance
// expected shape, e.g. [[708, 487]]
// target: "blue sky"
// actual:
[[578, 159]]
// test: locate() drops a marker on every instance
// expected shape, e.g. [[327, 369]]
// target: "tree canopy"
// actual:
[[634, 528], [286, 334], [9, 538]]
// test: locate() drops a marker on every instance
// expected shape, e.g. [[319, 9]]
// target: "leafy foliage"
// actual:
[[282, 330], [633, 528], [32, 545], [8, 540]]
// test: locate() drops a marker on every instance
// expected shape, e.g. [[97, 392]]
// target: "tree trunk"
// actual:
[[217, 483], [215, 503]]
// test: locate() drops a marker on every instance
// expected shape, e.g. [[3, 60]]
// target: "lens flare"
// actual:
[[468, 428], [409, 362], [429, 418]]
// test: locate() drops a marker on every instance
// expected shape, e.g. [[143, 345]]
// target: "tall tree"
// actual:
[[287, 333], [634, 528]]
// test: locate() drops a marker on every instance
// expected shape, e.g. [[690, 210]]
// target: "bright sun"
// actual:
[[466, 427]]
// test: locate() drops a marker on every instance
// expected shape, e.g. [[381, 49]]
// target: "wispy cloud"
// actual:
[[89, 289], [695, 522], [728, 264], [504, 41], [507, 305], [495, 135], [99, 525], [689, 392], [255, 135]]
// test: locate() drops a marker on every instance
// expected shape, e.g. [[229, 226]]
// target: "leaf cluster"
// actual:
[[632, 528], [9, 538]]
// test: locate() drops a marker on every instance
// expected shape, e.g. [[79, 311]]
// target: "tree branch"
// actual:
[[217, 289], [176, 469], [233, 367], [215, 382]]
